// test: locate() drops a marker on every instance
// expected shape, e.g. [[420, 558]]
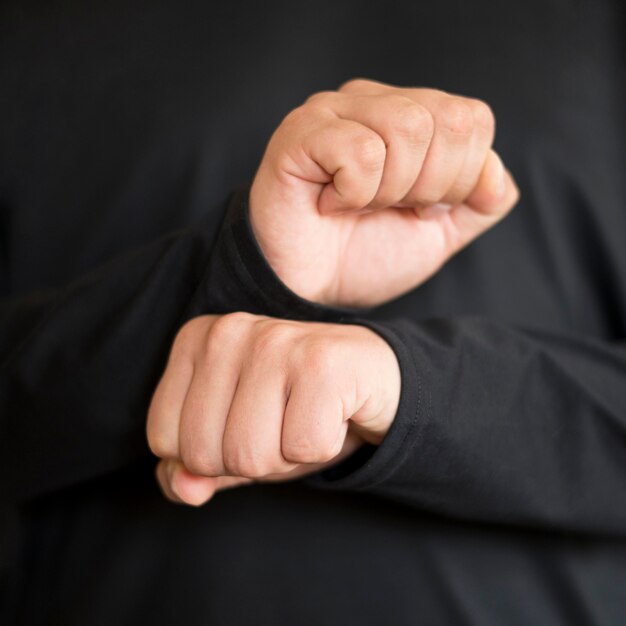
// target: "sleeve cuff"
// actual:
[[240, 278], [372, 465]]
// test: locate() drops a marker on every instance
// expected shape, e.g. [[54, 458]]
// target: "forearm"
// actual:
[[503, 425]]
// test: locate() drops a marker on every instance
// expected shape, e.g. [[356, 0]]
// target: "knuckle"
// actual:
[[227, 329], [161, 446], [319, 357], [244, 463], [483, 114], [456, 195], [455, 115], [320, 98], [460, 191], [196, 462], [270, 339], [197, 458], [308, 448], [431, 198], [369, 151], [355, 84], [295, 118], [300, 450], [188, 336], [424, 198], [413, 120], [238, 319]]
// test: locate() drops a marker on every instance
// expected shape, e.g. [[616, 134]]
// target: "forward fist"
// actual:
[[246, 397]]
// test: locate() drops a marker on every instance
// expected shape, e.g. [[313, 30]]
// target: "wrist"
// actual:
[[299, 260]]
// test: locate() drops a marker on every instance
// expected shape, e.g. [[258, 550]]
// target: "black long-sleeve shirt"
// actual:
[[498, 495]]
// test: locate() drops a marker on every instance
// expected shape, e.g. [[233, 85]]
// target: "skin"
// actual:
[[248, 397], [363, 193]]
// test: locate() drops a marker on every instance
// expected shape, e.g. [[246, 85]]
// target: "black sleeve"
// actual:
[[79, 364], [501, 425], [496, 424]]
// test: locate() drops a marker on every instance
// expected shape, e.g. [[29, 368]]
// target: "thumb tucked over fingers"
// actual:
[[181, 486]]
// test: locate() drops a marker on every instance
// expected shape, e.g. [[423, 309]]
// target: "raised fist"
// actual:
[[363, 193]]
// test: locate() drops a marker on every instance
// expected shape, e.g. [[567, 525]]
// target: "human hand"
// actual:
[[247, 397], [346, 203]]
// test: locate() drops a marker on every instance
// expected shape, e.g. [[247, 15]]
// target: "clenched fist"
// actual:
[[247, 397], [365, 192]]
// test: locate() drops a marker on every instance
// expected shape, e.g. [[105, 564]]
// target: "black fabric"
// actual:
[[498, 495]]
